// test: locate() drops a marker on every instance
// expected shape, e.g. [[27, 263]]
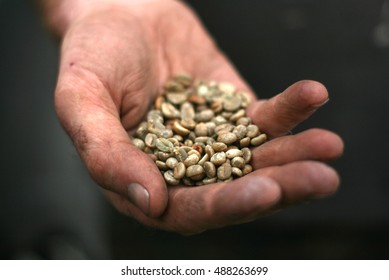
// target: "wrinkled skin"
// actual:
[[114, 60]]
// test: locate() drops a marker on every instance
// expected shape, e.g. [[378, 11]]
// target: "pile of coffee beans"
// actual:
[[198, 133]]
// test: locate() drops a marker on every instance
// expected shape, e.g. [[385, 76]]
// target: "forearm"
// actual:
[[58, 15]]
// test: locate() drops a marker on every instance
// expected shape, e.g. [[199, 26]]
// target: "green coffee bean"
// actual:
[[195, 172], [224, 171], [179, 171]]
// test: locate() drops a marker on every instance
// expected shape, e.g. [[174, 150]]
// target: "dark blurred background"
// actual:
[[50, 209]]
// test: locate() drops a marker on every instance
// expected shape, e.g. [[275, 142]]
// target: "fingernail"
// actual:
[[321, 103], [139, 196]]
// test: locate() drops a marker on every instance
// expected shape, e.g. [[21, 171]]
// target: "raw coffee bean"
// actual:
[[180, 154], [227, 138], [226, 115], [219, 147], [245, 121], [224, 128], [210, 169], [207, 181], [238, 162], [236, 116], [203, 160], [219, 120], [236, 172], [201, 129], [176, 98], [139, 143], [199, 147], [142, 131], [173, 86], [232, 103], [260, 139], [184, 79], [171, 162], [224, 171], [195, 172], [201, 139], [164, 133], [247, 169], [191, 160], [169, 111], [234, 153], [217, 106], [179, 171], [194, 152], [162, 156], [252, 131], [247, 154], [189, 142], [179, 138], [174, 141], [161, 165], [245, 142], [169, 178], [209, 150], [240, 131], [187, 181], [164, 145], [188, 123], [158, 102], [227, 88], [210, 128], [179, 129], [187, 111], [151, 140], [245, 97], [196, 99], [219, 158], [204, 116]]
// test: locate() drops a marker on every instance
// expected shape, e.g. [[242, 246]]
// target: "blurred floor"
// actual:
[[343, 44]]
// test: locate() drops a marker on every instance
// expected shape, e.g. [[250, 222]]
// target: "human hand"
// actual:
[[115, 57]]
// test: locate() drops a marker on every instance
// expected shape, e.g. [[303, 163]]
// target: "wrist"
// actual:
[[60, 15]]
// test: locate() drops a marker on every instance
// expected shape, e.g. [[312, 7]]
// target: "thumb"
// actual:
[[91, 118]]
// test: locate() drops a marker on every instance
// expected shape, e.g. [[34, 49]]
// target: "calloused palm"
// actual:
[[114, 61]]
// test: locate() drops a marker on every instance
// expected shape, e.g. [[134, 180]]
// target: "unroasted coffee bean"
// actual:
[[179, 171], [219, 158], [164, 144], [219, 147], [234, 153], [227, 138], [195, 172], [171, 162], [247, 169], [139, 143], [258, 140], [169, 178], [151, 140], [209, 169], [247, 154], [191, 160], [180, 129], [224, 171], [236, 172], [201, 129], [238, 162], [252, 131]]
